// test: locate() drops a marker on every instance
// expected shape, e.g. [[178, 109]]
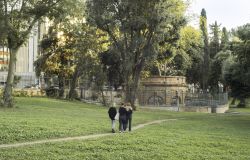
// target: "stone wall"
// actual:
[[162, 90], [220, 108]]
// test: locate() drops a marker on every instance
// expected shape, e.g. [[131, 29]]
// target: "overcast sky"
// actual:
[[228, 13]]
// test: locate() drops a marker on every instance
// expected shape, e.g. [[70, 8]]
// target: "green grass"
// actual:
[[42, 118], [198, 136], [241, 110]]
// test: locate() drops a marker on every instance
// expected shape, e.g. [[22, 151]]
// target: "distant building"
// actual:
[[26, 57]]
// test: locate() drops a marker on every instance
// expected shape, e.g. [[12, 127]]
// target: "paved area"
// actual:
[[79, 137]]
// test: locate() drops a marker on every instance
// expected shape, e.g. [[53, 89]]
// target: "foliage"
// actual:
[[215, 75], [19, 18], [237, 72], [190, 48], [21, 93], [206, 55], [112, 65], [90, 44], [135, 33], [215, 39], [224, 39], [185, 58]]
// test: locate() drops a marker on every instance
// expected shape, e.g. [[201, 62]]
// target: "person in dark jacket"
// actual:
[[112, 113], [129, 110], [122, 118]]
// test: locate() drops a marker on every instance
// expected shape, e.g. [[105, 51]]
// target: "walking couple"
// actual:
[[125, 117]]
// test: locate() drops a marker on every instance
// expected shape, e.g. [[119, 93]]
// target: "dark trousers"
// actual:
[[122, 124], [129, 123]]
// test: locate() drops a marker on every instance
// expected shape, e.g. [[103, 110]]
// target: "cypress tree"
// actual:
[[224, 39], [215, 41], [205, 67]]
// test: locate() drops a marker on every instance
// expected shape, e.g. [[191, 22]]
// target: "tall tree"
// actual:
[[57, 51], [215, 75], [224, 39], [19, 17], [237, 72], [57, 55], [215, 39], [90, 42], [206, 59], [135, 27], [190, 47]]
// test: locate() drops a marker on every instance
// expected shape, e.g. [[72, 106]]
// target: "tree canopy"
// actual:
[[237, 67], [19, 17], [136, 28]]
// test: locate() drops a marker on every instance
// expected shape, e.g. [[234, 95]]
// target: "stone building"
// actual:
[[163, 90]]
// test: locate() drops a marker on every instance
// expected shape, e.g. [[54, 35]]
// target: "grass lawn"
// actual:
[[42, 118], [242, 110], [198, 136]]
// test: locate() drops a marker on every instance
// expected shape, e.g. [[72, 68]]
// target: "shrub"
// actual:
[[52, 91]]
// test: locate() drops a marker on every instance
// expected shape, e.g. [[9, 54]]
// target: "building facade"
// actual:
[[26, 56]]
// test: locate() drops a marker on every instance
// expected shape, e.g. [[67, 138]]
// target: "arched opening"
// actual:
[[155, 100]]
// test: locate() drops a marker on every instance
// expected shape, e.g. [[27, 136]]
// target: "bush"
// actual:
[[52, 91], [20, 93], [94, 96]]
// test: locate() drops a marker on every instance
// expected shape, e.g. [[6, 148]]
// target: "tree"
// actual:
[[236, 73], [2, 26], [190, 45], [224, 39], [215, 40], [89, 44], [206, 59], [19, 17], [56, 55], [135, 27], [215, 75], [58, 45], [168, 51], [112, 64]]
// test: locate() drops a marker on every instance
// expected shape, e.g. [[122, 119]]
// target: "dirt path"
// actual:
[[79, 137]]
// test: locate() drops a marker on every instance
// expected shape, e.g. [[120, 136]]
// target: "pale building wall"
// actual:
[[28, 53], [26, 56]]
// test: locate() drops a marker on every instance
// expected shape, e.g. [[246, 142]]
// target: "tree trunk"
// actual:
[[242, 103], [61, 85], [159, 70], [7, 95], [72, 94], [103, 97], [131, 93], [132, 88]]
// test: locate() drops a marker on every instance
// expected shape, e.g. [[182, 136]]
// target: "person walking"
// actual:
[[112, 113], [122, 118], [129, 110]]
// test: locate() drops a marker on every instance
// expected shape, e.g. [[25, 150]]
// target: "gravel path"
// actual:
[[79, 137]]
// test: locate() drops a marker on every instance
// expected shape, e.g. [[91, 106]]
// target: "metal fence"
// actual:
[[85, 90], [165, 98], [206, 99]]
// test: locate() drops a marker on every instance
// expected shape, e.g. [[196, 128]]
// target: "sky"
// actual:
[[228, 13]]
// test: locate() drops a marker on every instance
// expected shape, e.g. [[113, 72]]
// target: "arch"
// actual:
[[155, 100]]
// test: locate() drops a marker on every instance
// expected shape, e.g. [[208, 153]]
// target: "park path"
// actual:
[[79, 137]]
